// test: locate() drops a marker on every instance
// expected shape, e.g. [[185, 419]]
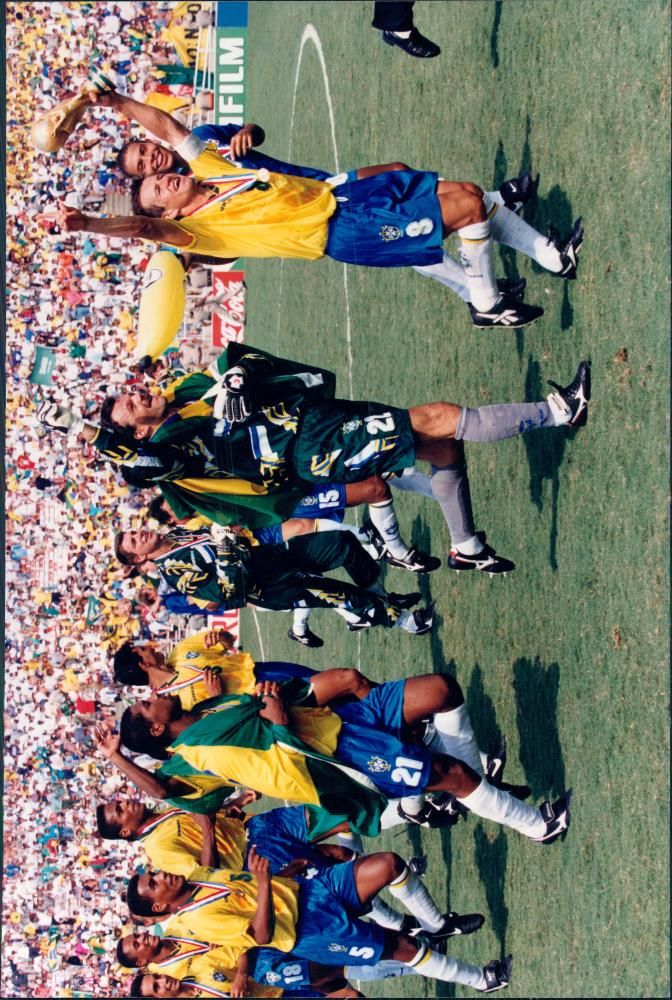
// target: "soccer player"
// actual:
[[372, 736], [316, 919], [285, 442], [391, 216], [190, 668], [144, 158], [232, 574]]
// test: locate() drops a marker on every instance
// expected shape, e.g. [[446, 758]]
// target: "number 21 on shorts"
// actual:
[[408, 771]]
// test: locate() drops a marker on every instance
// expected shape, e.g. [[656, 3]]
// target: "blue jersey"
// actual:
[[327, 501], [223, 134]]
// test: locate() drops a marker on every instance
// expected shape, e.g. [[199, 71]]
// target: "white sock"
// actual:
[[384, 519], [560, 411], [385, 916], [476, 257], [351, 840], [449, 970], [386, 969], [401, 34], [300, 618], [324, 524], [412, 481], [448, 272], [406, 621], [413, 894], [508, 228], [390, 815], [412, 804], [471, 546], [492, 803], [455, 734], [349, 616]]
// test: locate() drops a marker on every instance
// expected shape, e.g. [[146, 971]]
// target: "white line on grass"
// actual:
[[261, 641]]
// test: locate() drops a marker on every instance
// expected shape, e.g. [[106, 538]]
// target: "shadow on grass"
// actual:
[[494, 51], [536, 687], [545, 451], [491, 855]]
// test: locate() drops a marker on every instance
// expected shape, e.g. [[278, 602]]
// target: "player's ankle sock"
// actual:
[[412, 804], [350, 616], [401, 34], [455, 736], [385, 969], [300, 618], [476, 257], [411, 892], [450, 489], [384, 519], [434, 965], [508, 228], [471, 546], [412, 481], [448, 272], [495, 804], [503, 420], [350, 840], [385, 916], [406, 621]]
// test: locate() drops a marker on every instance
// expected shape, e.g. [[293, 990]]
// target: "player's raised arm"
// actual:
[[140, 227], [159, 123]]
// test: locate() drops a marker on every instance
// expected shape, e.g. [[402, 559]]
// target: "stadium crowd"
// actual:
[[61, 902]]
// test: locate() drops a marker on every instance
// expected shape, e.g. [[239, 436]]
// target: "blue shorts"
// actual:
[[326, 502], [281, 835], [370, 740], [389, 220], [328, 929], [278, 670], [271, 967]]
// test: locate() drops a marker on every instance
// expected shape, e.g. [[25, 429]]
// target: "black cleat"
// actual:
[[487, 561], [557, 818], [418, 864], [415, 561], [375, 541], [507, 313], [416, 44], [497, 974], [404, 601], [308, 638], [494, 770], [574, 397], [423, 619], [435, 813], [569, 250], [517, 191], [455, 924], [513, 288]]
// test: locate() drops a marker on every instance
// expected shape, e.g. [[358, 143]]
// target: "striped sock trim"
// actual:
[[423, 956], [402, 880]]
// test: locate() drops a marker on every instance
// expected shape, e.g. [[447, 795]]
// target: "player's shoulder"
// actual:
[[218, 133]]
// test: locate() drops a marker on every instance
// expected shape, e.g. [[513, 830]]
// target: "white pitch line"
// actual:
[[310, 35], [261, 641]]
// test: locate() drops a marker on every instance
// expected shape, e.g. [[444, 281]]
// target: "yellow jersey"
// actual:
[[173, 840], [190, 658], [222, 906], [255, 213], [207, 966]]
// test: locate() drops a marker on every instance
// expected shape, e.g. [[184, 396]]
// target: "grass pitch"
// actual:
[[567, 656]]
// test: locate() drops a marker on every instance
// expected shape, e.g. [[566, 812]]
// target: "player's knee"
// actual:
[[355, 683], [298, 526], [398, 165], [473, 202], [449, 692], [393, 863]]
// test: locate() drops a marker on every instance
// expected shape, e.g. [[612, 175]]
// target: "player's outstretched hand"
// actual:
[[268, 689], [106, 740], [218, 637], [69, 219], [233, 398], [258, 864], [110, 99], [242, 142], [58, 418], [212, 679]]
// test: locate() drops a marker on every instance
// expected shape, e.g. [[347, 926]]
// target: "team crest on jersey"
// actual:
[[220, 977], [419, 227], [273, 977], [336, 947], [309, 501], [377, 765], [191, 656], [351, 425], [390, 233]]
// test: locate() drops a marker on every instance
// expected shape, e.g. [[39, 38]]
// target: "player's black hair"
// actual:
[[121, 156], [127, 669], [122, 957], [138, 906], [136, 735], [107, 420], [108, 831], [136, 207], [121, 556], [156, 510], [136, 985]]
